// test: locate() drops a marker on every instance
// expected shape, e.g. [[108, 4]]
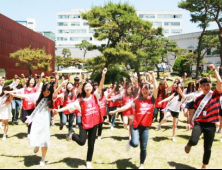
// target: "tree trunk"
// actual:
[[138, 75], [220, 38], [158, 71], [30, 72]]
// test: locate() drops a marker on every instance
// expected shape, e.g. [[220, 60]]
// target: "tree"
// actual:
[[66, 53], [182, 65], [59, 61], [199, 14], [68, 62], [215, 12], [112, 23], [85, 46], [33, 59]]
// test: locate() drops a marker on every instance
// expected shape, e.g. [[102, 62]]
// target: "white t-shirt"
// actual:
[[175, 106]]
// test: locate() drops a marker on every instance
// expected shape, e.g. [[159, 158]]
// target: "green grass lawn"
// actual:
[[110, 152]]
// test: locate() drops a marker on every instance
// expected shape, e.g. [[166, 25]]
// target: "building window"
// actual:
[[80, 38], [91, 31], [147, 16], [165, 16], [75, 24], [63, 17], [157, 24], [172, 24], [176, 31], [209, 52], [85, 24], [62, 39], [62, 24], [79, 31], [166, 31], [75, 16]]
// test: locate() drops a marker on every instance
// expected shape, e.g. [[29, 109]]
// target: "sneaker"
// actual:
[[141, 167], [28, 136], [61, 127], [128, 146], [99, 138], [112, 128], [69, 136], [158, 128], [174, 139], [77, 126], [89, 165], [219, 132], [4, 137], [36, 150], [16, 123], [42, 163]]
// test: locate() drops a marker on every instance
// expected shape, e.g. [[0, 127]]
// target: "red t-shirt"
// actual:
[[212, 108]]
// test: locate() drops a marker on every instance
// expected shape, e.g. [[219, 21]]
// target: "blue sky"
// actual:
[[45, 11]]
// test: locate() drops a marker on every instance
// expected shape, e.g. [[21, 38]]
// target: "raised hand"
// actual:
[[211, 67], [105, 71], [42, 75]]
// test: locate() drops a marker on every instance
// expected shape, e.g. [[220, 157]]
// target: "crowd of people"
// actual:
[[89, 104]]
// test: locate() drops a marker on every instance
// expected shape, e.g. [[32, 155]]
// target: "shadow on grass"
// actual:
[[71, 162], [59, 136], [20, 135], [122, 164], [180, 166], [170, 127], [118, 138], [160, 139], [29, 161], [184, 136]]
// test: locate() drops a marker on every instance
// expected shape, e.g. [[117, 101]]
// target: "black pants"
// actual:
[[100, 127], [209, 130], [81, 140], [155, 115], [24, 114]]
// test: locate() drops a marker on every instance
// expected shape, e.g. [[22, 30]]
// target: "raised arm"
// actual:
[[217, 75], [71, 107], [102, 81], [59, 88], [40, 81], [122, 109], [155, 92], [167, 99]]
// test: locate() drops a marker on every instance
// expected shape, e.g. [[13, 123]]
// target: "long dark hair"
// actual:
[[67, 92], [176, 92], [163, 90], [8, 97], [28, 82], [117, 90], [49, 87], [191, 88], [127, 87]]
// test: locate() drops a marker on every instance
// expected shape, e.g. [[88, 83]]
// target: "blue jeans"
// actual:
[[140, 136], [16, 107], [112, 118], [64, 119]]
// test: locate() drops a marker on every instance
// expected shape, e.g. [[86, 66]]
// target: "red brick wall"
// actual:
[[14, 36]]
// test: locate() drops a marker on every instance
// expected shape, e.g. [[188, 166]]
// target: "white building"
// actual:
[[72, 29], [170, 21], [30, 23], [190, 42]]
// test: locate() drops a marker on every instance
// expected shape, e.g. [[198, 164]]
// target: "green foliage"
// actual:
[[114, 74], [66, 53], [68, 62], [85, 46], [182, 65], [33, 59]]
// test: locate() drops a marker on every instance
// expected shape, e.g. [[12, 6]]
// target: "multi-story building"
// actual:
[[30, 23], [72, 29], [48, 34], [14, 37], [170, 21], [190, 42]]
